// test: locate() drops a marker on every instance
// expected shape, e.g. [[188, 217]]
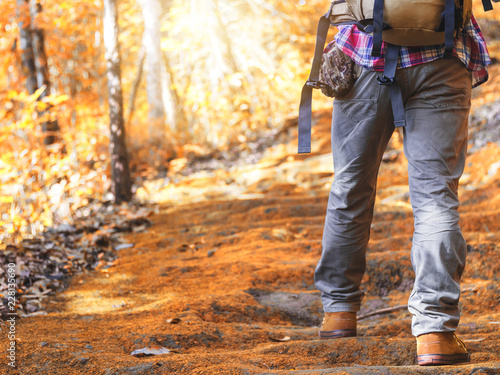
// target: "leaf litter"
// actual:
[[45, 264]]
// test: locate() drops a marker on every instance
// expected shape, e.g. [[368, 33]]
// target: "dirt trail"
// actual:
[[232, 254], [224, 276]]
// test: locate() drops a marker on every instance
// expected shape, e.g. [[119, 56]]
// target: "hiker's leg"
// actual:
[[361, 128], [435, 144]]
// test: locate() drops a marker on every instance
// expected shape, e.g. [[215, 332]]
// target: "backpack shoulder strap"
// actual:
[[305, 108], [487, 5], [389, 79], [449, 27], [378, 22]]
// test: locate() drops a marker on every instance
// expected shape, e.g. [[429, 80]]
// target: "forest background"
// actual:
[[150, 185], [201, 81]]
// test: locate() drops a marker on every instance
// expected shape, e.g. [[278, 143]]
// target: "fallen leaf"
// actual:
[[140, 228], [278, 337], [66, 228], [283, 234], [124, 246]]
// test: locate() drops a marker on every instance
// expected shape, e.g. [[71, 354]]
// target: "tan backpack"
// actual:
[[398, 23], [405, 22]]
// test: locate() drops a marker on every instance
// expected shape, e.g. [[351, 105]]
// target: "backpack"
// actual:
[[398, 23]]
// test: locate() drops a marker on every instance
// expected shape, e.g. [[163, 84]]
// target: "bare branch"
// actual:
[[382, 311]]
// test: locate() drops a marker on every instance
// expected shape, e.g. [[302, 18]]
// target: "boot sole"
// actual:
[[442, 359], [326, 335]]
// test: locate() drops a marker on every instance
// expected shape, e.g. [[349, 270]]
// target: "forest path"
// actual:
[[223, 278], [230, 258]]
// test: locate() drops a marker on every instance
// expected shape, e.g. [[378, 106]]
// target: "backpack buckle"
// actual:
[[384, 80], [316, 84]]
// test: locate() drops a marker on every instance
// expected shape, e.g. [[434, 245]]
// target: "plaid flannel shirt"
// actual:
[[470, 48]]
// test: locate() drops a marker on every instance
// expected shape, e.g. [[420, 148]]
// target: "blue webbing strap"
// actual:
[[487, 5], [388, 79], [305, 108], [378, 25], [449, 27]]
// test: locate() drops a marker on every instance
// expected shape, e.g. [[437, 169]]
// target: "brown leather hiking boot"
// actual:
[[339, 324], [440, 348]]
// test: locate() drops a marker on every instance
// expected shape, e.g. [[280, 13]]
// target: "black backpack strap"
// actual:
[[378, 25], [305, 108], [389, 79], [449, 27], [487, 5]]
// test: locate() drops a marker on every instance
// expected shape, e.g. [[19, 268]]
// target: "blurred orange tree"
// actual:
[[233, 69]]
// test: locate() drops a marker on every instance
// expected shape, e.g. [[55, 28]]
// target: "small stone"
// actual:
[[150, 350], [43, 343], [89, 347], [83, 361]]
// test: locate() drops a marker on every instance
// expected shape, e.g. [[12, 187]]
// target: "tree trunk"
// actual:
[[151, 12], [27, 56], [135, 84], [42, 69], [180, 118], [121, 184], [50, 126], [168, 97], [223, 35]]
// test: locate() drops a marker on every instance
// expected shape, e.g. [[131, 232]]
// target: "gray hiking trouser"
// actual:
[[437, 103]]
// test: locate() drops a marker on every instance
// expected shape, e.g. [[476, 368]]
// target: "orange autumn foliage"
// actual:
[[235, 70], [223, 103]]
